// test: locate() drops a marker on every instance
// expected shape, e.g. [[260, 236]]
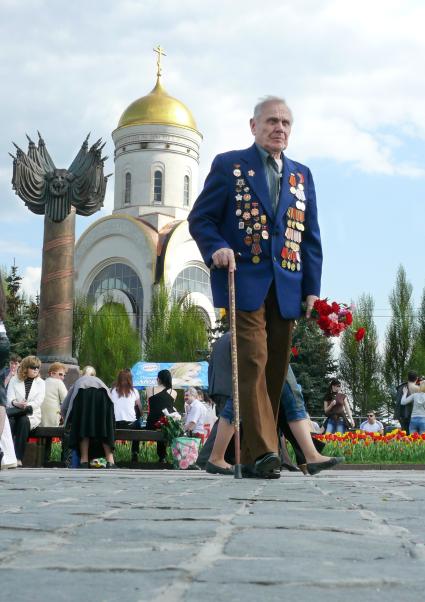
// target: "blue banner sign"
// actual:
[[185, 374]]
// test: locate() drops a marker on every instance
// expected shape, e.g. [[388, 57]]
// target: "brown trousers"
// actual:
[[264, 342]]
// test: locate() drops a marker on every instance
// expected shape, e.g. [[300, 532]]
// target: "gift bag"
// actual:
[[184, 451]]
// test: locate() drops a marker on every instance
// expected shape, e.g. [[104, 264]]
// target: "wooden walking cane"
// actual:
[[235, 382]]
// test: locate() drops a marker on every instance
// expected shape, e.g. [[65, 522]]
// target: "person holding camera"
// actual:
[[337, 409]]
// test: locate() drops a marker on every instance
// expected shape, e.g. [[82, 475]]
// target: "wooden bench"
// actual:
[[45, 434]]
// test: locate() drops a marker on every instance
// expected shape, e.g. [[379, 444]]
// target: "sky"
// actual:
[[352, 73]]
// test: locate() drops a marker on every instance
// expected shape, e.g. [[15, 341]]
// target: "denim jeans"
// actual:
[[291, 398], [417, 425], [227, 411], [335, 425]]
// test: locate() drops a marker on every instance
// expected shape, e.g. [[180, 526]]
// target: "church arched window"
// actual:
[[192, 279], [186, 191], [127, 191], [157, 187], [121, 277]]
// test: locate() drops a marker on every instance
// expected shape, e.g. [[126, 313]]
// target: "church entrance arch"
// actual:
[[115, 278]]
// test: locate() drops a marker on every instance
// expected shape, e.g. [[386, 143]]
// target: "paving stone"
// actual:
[[65, 585], [364, 591], [176, 536]]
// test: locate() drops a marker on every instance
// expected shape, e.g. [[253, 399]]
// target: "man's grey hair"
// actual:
[[265, 100], [192, 392]]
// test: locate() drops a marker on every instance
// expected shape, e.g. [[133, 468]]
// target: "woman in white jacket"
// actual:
[[25, 392]]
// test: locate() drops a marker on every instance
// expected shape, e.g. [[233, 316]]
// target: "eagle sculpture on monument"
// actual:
[[51, 191], [58, 194]]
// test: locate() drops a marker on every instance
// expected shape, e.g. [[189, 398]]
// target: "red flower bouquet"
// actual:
[[332, 318], [170, 427]]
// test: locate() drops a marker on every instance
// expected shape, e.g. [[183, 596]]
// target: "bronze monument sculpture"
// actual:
[[58, 194]]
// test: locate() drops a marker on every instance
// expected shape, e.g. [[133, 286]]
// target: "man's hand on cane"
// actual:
[[224, 258]]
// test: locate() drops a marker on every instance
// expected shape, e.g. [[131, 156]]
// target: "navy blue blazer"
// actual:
[[234, 210]]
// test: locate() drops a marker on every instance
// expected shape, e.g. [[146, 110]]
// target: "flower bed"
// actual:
[[371, 448]]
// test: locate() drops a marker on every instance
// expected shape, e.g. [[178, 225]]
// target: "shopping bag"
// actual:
[[185, 451]]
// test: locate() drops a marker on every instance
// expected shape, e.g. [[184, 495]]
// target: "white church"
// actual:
[[146, 239]]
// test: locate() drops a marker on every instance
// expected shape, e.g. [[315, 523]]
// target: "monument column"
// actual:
[[58, 194], [57, 291]]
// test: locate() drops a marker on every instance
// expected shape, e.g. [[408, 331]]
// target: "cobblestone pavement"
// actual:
[[181, 536]]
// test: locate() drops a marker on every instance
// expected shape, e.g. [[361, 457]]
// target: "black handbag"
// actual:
[[18, 412]]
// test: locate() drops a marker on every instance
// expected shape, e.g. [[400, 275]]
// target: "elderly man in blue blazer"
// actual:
[[260, 207]]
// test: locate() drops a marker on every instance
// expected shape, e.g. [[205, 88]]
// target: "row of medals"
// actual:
[[250, 220], [291, 258], [256, 227]]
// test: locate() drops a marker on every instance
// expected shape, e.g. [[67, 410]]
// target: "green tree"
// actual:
[[314, 365], [22, 316], [401, 332], [107, 340], [175, 330], [418, 355], [360, 362], [82, 310]]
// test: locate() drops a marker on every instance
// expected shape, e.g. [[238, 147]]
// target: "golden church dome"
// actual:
[[157, 107]]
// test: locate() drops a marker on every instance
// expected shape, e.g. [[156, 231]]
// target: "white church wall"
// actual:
[[175, 148], [181, 252], [116, 239], [205, 304]]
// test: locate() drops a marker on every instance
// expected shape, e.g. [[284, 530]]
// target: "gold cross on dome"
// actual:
[[159, 49]]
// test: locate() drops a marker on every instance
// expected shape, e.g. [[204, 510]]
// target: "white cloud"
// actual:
[[349, 71], [31, 281]]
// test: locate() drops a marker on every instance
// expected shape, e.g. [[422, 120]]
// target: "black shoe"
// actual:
[[194, 467], [316, 467], [111, 465], [266, 465], [248, 472], [275, 474], [1, 457], [214, 469], [84, 465]]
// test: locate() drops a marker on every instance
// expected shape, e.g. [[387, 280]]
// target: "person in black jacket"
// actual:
[[163, 400]]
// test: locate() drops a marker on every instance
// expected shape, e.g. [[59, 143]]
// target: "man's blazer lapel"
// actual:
[[252, 162]]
